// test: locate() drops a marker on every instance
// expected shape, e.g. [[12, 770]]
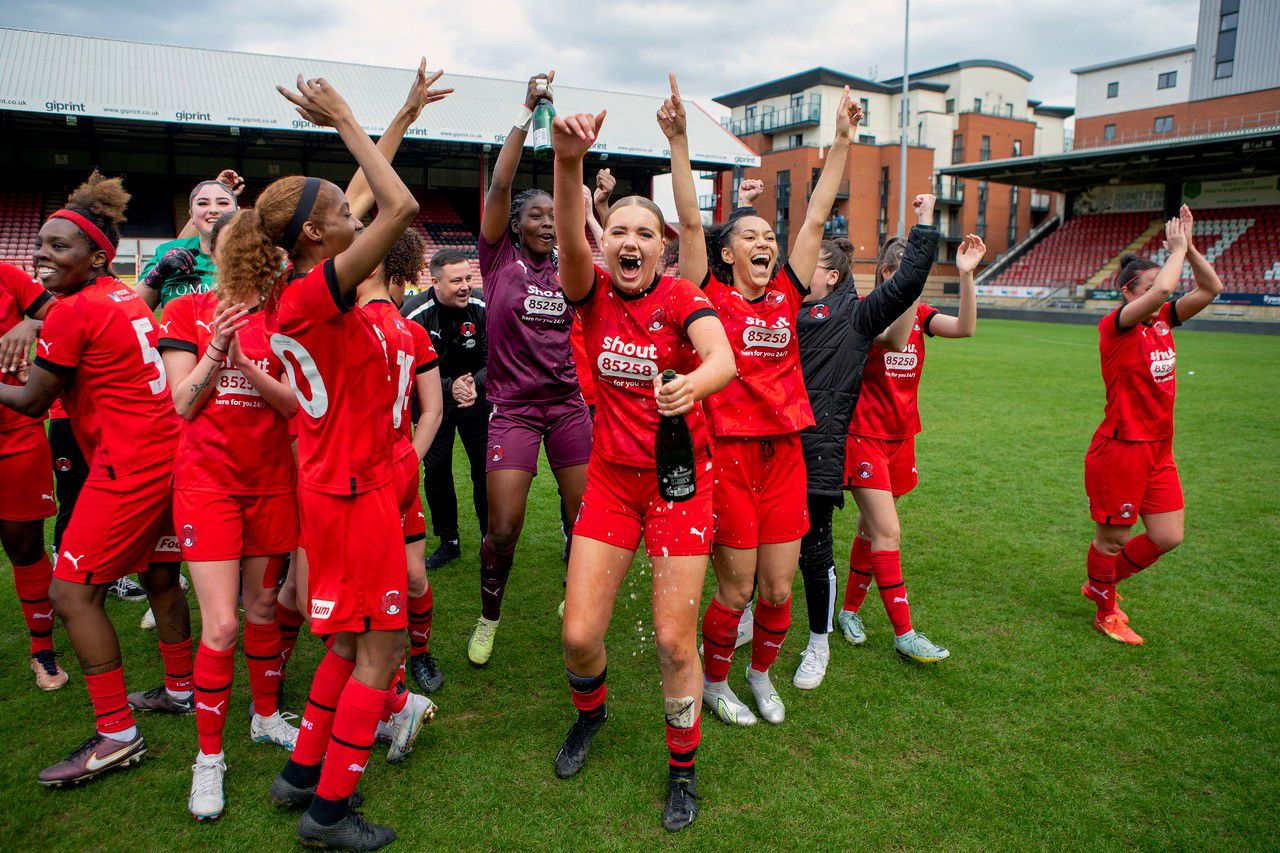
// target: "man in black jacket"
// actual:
[[835, 330], [456, 322]]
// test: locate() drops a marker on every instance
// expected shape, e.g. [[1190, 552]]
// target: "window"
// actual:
[[1008, 110], [984, 153], [981, 228], [797, 100], [1164, 124], [866, 112], [1017, 152], [1109, 132], [1013, 215], [951, 105], [750, 113], [795, 140], [977, 105], [883, 221], [782, 198], [866, 139], [1224, 57], [1167, 80], [1113, 90], [957, 148]]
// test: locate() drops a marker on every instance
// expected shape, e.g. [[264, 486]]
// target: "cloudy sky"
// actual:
[[716, 46]]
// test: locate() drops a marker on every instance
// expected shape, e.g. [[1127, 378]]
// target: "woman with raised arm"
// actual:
[[97, 350], [235, 504], [760, 507], [880, 460], [337, 363], [532, 384], [1129, 471], [637, 323]]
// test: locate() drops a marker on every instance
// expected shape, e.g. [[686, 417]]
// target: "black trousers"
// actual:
[[70, 470], [472, 426], [817, 563]]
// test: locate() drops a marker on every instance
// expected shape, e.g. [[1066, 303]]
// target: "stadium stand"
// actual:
[[20, 217], [1077, 250], [1242, 243]]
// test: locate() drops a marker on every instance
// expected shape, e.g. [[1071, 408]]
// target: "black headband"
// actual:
[[301, 213]]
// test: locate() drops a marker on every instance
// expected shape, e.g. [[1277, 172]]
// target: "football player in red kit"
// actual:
[[235, 503], [636, 324], [416, 375], [26, 470], [761, 509], [98, 350], [1129, 471], [880, 458], [337, 362]]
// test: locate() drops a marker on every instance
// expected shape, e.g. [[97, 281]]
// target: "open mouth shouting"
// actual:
[[629, 266]]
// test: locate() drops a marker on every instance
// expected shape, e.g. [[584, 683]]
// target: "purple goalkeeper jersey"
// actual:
[[529, 318]]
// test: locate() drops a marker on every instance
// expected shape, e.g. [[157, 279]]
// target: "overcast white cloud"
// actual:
[[716, 46]]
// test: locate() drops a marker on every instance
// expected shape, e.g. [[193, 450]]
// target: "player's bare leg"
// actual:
[[508, 491], [735, 570], [775, 572], [173, 627]]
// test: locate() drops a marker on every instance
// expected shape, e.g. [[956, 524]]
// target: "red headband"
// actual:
[[93, 232]]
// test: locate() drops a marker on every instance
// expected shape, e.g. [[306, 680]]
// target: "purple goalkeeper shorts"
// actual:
[[516, 431]]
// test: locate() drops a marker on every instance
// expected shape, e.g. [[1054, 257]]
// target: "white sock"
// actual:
[[201, 758], [818, 641], [179, 695], [126, 735]]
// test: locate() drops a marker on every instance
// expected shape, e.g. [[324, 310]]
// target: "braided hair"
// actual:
[[518, 204]]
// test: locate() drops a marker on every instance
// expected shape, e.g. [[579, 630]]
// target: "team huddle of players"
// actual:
[[268, 429]]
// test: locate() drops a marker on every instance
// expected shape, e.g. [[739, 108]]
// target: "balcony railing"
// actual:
[[707, 202], [776, 120], [1195, 128], [948, 190]]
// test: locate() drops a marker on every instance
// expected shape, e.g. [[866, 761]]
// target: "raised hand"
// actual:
[[1175, 239], [923, 206], [232, 181], [536, 91], [1184, 214], [317, 102], [421, 93], [605, 182], [573, 135], [848, 117], [587, 199], [970, 253], [671, 116], [749, 190]]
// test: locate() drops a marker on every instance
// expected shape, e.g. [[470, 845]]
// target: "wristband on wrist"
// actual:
[[526, 118]]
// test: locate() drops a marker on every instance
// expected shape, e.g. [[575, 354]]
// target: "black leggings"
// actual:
[[817, 562], [70, 470]]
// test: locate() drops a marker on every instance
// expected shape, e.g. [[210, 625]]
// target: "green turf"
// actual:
[[1036, 733]]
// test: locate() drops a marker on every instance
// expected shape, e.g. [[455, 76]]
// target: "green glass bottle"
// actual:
[[543, 113]]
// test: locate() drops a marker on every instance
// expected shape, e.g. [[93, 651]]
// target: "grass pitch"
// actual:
[[1037, 733]]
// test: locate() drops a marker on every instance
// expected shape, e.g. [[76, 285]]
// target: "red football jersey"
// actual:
[[237, 444], [767, 397], [103, 339], [630, 339], [337, 361], [20, 296], [888, 406], [410, 353], [1139, 368], [581, 364]]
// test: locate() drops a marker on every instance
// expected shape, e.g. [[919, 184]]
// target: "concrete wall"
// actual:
[[1138, 83]]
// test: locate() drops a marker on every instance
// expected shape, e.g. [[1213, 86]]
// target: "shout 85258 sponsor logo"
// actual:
[[544, 303], [628, 361]]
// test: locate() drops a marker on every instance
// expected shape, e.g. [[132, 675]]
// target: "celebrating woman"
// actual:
[[636, 324]]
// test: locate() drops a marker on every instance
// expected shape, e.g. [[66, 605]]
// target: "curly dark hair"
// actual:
[[717, 237], [405, 258], [102, 201]]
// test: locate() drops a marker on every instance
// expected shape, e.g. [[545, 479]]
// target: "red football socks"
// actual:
[[682, 744], [588, 693], [887, 568], [354, 725], [178, 665], [32, 585], [420, 609], [771, 624], [290, 621], [330, 679], [719, 631], [1139, 552], [1101, 581], [855, 591], [397, 696], [262, 656], [110, 706], [215, 670]]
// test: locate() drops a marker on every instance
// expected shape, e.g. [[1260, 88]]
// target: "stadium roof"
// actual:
[[1116, 63], [77, 75], [1227, 154], [964, 63]]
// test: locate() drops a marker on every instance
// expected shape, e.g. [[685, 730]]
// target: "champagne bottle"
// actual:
[[673, 451], [540, 131]]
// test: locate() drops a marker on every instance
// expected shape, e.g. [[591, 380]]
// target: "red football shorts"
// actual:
[[879, 463], [227, 527], [357, 571], [26, 471], [405, 475], [622, 502], [120, 527], [1127, 479], [760, 491]]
